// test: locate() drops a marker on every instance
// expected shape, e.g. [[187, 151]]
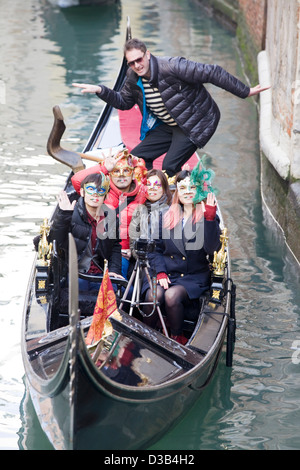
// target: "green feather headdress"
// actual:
[[202, 179]]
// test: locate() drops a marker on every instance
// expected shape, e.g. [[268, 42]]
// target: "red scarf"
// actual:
[[93, 268]]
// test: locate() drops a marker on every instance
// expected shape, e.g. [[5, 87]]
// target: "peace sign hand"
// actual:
[[111, 160]]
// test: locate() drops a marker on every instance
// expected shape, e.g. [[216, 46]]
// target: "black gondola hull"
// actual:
[[110, 416]]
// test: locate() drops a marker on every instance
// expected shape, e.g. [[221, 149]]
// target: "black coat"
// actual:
[[146, 221], [107, 247], [185, 258], [181, 85]]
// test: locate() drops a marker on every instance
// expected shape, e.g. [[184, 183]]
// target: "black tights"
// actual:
[[174, 300]]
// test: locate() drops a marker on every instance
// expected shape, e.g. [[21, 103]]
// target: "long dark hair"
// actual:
[[164, 182]]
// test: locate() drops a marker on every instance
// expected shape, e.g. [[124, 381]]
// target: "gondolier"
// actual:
[[178, 112]]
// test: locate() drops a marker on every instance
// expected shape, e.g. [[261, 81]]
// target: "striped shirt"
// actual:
[[155, 103]]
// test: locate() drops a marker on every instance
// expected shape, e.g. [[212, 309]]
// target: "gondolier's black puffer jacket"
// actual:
[[181, 85], [77, 223]]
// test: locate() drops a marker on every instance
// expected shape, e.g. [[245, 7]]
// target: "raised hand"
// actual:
[[210, 201], [64, 202], [111, 160], [210, 208], [186, 167]]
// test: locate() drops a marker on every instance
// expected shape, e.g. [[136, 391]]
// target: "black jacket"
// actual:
[[181, 85], [182, 255], [107, 247]]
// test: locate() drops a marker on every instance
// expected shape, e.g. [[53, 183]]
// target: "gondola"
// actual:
[[117, 404]]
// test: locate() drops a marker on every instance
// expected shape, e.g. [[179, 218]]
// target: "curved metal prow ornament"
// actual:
[[54, 149]]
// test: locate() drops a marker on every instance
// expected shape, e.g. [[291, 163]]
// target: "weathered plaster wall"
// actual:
[[282, 48]]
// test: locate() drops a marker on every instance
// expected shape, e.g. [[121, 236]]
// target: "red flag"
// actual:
[[106, 305]]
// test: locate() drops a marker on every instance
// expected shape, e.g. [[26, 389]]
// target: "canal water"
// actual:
[[254, 405]]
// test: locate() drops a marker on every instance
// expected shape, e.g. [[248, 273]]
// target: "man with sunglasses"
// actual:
[[179, 114], [92, 224]]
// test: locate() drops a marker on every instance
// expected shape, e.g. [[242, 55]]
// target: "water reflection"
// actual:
[[31, 435], [82, 34]]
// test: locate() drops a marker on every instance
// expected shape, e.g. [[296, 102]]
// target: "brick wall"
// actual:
[[249, 19], [254, 13]]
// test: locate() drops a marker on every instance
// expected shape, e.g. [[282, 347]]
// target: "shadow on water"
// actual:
[[81, 34]]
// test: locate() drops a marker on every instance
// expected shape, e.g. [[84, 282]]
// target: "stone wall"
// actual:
[[283, 53], [248, 18], [254, 14], [269, 39]]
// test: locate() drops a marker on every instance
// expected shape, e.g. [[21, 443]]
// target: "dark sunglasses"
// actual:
[[136, 61]]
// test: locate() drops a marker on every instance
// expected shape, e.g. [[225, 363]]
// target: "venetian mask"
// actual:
[[92, 190], [185, 186]]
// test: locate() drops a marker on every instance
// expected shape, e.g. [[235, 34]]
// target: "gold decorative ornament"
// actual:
[[216, 294], [218, 270], [41, 285], [171, 179], [44, 248], [220, 257]]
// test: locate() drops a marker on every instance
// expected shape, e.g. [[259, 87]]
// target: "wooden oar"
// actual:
[[68, 157]]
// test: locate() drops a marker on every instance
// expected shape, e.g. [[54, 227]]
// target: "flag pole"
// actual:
[[105, 266]]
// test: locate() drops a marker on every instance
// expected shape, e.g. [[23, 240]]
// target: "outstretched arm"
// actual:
[[123, 99], [257, 89], [86, 88]]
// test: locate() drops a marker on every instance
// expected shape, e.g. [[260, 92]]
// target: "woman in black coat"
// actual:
[[191, 232]]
